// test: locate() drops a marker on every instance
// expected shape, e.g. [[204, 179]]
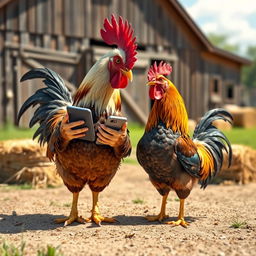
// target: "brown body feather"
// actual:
[[87, 163]]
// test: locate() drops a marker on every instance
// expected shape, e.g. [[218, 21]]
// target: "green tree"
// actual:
[[220, 41], [249, 72]]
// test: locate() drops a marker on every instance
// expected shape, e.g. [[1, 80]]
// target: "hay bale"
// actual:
[[222, 125], [243, 167], [243, 116], [24, 161]]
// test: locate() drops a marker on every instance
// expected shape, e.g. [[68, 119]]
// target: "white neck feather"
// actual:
[[101, 95]]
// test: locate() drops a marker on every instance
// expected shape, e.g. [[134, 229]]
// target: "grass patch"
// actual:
[[138, 201], [16, 187], [7, 249], [130, 160], [136, 132], [49, 251], [67, 205], [243, 136], [236, 135], [11, 132], [238, 224]]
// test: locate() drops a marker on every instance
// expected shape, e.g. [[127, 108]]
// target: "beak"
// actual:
[[151, 83], [127, 73]]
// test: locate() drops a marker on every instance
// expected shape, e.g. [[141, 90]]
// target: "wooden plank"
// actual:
[[113, 8], [40, 19], [2, 19], [60, 43], [78, 19], [16, 88], [58, 17], [31, 16], [95, 22], [38, 40], [4, 2], [46, 41], [150, 21], [88, 18], [48, 12], [12, 16], [2, 93], [67, 17], [9, 81], [74, 44], [22, 15]]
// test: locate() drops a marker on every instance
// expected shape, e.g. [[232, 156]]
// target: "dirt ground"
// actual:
[[28, 215]]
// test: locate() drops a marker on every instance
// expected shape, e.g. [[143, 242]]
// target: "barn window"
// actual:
[[230, 91], [216, 86]]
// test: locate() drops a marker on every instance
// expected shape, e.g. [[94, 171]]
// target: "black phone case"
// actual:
[[85, 114]]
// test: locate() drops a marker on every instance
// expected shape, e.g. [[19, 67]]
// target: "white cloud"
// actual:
[[229, 17]]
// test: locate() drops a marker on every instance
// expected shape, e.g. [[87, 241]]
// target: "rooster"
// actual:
[[82, 162], [172, 159]]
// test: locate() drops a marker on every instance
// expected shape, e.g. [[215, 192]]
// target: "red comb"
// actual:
[[164, 69], [120, 34]]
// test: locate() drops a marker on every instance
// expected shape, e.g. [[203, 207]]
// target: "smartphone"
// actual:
[[115, 122], [85, 114]]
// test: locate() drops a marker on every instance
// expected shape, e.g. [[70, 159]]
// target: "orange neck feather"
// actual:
[[170, 110]]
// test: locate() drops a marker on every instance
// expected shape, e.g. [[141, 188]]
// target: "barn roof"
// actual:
[[225, 55], [204, 40]]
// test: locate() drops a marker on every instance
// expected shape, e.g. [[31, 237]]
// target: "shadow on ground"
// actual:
[[12, 224]]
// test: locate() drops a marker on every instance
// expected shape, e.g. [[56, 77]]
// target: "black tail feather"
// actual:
[[51, 99], [213, 139]]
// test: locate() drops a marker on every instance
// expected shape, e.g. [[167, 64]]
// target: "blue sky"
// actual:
[[235, 18]]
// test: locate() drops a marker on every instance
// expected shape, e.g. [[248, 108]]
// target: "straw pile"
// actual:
[[24, 161], [243, 116], [243, 168]]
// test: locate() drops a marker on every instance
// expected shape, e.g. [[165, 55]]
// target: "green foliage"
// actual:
[[249, 72], [138, 201], [7, 249], [238, 224], [220, 41], [50, 251]]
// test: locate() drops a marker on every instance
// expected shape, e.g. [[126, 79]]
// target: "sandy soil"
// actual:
[[28, 215]]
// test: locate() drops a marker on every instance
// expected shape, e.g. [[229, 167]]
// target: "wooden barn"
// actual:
[[64, 36]]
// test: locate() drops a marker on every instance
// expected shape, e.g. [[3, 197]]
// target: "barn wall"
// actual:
[[71, 27]]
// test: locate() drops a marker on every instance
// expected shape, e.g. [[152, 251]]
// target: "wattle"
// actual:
[[156, 92], [118, 80]]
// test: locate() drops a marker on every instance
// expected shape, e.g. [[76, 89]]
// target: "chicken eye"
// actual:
[[118, 61]]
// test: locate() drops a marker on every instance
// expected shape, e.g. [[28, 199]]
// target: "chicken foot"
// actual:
[[96, 217], [180, 220], [73, 216], [161, 216]]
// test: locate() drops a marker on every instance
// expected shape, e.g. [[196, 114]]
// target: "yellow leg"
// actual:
[[162, 214], [73, 216], [96, 217], [180, 220]]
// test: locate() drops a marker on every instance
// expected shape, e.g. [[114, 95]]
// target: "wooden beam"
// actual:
[[35, 64], [4, 2], [134, 107], [41, 50]]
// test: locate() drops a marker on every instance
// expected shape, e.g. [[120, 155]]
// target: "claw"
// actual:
[[158, 217], [69, 220], [97, 219], [178, 222]]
